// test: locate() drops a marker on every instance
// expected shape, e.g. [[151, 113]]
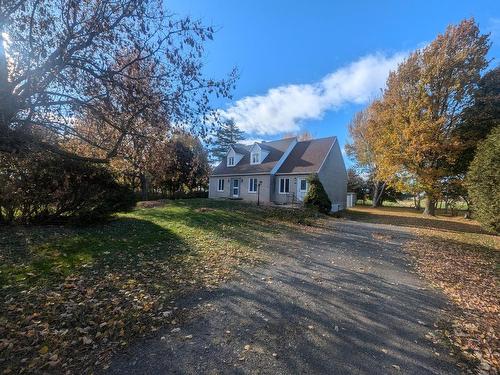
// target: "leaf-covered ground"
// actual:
[[70, 297], [456, 256]]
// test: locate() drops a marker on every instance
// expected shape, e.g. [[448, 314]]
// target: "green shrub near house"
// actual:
[[316, 196]]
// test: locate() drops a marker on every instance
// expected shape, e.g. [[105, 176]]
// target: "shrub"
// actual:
[[316, 196], [44, 187], [483, 182]]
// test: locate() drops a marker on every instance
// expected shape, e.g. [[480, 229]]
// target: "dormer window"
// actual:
[[255, 159], [230, 161]]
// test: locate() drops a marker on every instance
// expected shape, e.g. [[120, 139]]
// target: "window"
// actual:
[[284, 185], [255, 158], [303, 184], [220, 187], [252, 185], [230, 161]]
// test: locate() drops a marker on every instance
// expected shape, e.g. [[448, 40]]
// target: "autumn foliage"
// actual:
[[410, 133]]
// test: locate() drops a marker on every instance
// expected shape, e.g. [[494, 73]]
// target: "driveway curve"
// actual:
[[337, 299]]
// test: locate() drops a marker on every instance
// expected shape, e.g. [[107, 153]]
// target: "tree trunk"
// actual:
[[467, 213], [144, 187], [378, 191], [4, 83], [430, 206], [416, 201]]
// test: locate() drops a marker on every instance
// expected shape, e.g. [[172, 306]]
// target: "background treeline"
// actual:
[[43, 186], [433, 132]]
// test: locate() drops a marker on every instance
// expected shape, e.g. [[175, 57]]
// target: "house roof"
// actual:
[[241, 149], [276, 150], [306, 157]]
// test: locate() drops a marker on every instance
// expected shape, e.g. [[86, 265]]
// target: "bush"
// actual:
[[483, 182], [316, 196], [43, 187]]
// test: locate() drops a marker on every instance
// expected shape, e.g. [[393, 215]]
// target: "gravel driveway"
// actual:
[[341, 299]]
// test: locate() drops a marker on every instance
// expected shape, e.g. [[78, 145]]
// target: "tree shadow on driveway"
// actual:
[[338, 299]]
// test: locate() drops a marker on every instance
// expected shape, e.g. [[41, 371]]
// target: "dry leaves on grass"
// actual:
[[151, 204], [69, 301], [78, 323], [468, 275]]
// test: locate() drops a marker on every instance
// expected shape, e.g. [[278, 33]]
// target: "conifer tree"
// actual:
[[226, 135]]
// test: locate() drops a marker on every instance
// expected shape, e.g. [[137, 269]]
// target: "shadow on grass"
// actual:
[[242, 222], [408, 217], [336, 301], [31, 254], [50, 257]]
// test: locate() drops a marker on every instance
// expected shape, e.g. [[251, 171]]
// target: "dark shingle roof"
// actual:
[[241, 149], [276, 150], [307, 156]]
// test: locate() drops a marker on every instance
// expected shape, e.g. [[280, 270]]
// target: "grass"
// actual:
[[458, 257], [72, 296], [458, 207]]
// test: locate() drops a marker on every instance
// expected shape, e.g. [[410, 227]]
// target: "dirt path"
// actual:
[[340, 299]]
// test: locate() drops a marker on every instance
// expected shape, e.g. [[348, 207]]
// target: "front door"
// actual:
[[236, 188], [302, 186]]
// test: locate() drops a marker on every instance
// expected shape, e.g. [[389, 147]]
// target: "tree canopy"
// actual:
[[483, 181], [480, 118], [226, 135], [410, 133], [65, 61]]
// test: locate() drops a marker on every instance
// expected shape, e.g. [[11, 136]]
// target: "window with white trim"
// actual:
[[255, 158], [252, 185], [284, 185], [220, 186], [230, 161], [303, 184]]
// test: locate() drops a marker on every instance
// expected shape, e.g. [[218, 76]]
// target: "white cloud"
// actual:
[[251, 141], [282, 109]]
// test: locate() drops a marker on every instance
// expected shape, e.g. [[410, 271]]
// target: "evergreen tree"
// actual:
[[483, 182], [225, 136], [316, 196]]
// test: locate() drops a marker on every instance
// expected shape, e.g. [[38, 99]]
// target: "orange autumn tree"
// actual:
[[364, 131], [417, 117]]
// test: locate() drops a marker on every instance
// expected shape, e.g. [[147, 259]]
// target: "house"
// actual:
[[277, 171]]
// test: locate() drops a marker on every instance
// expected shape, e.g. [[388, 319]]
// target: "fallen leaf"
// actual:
[[44, 349]]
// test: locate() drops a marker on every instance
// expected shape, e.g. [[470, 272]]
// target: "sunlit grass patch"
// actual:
[[93, 289]]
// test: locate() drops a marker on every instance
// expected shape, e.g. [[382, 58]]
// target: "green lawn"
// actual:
[[91, 290]]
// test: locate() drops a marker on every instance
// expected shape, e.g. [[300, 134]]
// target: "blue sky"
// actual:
[[310, 65]]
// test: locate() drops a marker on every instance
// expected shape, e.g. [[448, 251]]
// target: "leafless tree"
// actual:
[[64, 60]]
